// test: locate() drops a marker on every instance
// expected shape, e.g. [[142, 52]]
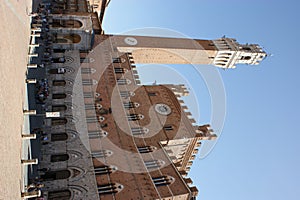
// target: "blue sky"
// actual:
[[257, 154]]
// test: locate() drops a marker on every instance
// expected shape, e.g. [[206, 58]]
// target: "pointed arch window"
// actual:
[[245, 57], [120, 70], [59, 137], [105, 170], [59, 157], [67, 38], [130, 104], [139, 130], [66, 23], [101, 154], [163, 180], [59, 96], [126, 94], [134, 117], [146, 149], [56, 175], [123, 81], [109, 188], [59, 83], [168, 127], [152, 164], [59, 195], [118, 60], [58, 121], [56, 108]]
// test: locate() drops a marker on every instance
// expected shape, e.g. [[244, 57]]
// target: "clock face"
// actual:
[[162, 109], [130, 41]]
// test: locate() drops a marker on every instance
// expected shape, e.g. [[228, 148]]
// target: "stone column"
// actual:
[[28, 136], [29, 112], [32, 65], [30, 161], [34, 45], [30, 80], [33, 55], [33, 194]]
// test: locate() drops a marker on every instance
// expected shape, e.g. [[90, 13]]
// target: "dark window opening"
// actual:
[[59, 137], [145, 149], [67, 38], [59, 50], [59, 60], [246, 48], [119, 70], [56, 108], [162, 180], [59, 157], [59, 195], [57, 71], [134, 117], [59, 83], [246, 58], [63, 23], [129, 105], [59, 96], [116, 60], [56, 175], [58, 121], [168, 127], [123, 81]]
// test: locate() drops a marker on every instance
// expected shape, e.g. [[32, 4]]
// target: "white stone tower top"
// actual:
[[231, 52]]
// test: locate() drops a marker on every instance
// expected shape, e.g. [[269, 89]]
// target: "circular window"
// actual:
[[162, 109]]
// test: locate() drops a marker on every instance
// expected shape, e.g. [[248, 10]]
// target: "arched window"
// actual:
[[130, 104], [126, 94], [146, 149], [110, 188], [134, 117], [58, 121], [59, 83], [246, 48], [120, 70], [105, 170], [59, 96], [56, 108], [64, 23], [58, 60], [59, 157], [59, 137], [59, 195], [163, 180], [168, 127], [56, 175], [123, 81], [67, 38], [101, 153], [245, 57], [139, 130], [151, 164], [60, 70]]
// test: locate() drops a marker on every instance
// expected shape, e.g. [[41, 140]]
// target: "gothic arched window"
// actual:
[[59, 195], [59, 137], [59, 157]]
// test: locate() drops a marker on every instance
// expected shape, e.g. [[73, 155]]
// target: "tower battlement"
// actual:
[[230, 53]]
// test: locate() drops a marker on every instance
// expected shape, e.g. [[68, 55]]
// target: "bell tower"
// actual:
[[224, 52], [230, 52]]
